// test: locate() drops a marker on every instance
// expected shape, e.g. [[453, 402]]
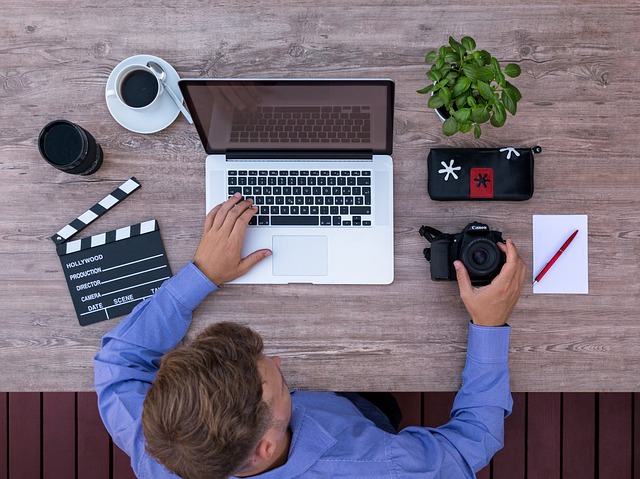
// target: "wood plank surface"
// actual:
[[121, 465], [411, 406], [636, 435], [24, 435], [615, 435], [579, 437], [580, 102], [59, 435], [588, 434], [436, 408], [94, 443], [510, 462], [4, 435], [543, 436]]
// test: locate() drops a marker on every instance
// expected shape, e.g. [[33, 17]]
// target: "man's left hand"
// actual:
[[218, 255]]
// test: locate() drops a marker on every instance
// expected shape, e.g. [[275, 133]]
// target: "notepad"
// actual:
[[570, 273]]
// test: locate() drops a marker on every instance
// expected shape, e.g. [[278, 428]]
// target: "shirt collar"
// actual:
[[308, 443]]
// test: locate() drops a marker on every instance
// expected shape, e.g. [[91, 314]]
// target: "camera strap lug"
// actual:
[[429, 233]]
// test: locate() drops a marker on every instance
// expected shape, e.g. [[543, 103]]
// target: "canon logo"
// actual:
[[479, 228]]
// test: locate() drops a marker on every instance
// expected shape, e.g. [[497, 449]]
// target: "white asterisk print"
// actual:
[[509, 150], [449, 170]]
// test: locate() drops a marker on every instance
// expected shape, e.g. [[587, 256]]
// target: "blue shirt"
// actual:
[[331, 437]]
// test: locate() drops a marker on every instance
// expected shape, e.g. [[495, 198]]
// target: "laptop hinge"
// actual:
[[298, 155]]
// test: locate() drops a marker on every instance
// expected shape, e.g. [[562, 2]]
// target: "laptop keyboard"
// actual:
[[303, 124], [306, 197]]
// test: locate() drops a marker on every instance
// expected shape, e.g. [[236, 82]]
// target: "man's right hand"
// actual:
[[218, 255], [492, 305]]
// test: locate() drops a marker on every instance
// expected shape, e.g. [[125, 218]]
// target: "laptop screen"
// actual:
[[292, 115]]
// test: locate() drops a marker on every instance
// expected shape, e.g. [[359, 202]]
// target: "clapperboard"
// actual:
[[110, 273]]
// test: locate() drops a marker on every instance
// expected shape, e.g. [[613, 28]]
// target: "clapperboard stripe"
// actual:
[[96, 211], [108, 237]]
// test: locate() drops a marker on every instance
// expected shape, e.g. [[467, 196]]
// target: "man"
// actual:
[[220, 407]]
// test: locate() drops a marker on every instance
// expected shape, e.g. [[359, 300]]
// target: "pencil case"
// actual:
[[481, 173]]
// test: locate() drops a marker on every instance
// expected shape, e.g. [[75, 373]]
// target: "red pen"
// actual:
[[555, 257]]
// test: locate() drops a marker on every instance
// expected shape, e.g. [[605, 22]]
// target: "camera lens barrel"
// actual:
[[482, 257]]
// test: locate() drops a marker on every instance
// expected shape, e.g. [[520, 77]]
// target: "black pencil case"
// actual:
[[481, 173]]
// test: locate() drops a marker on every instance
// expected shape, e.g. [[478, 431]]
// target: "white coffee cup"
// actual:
[[137, 87]]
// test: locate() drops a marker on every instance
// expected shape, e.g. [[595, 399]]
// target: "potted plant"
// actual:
[[469, 88]]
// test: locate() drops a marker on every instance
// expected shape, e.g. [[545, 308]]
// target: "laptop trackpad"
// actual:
[[300, 256]]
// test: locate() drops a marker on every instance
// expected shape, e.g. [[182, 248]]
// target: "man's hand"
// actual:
[[492, 305], [218, 255]]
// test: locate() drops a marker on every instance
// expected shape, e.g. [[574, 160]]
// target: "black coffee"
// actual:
[[62, 144], [139, 88]]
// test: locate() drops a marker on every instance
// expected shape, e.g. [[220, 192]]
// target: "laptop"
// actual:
[[315, 156]]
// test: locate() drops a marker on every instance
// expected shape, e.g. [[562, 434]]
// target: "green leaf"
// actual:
[[462, 115], [439, 63], [477, 131], [500, 80], [450, 126], [480, 114], [461, 101], [512, 70], [480, 62], [485, 74], [515, 93], [499, 115], [430, 57], [462, 84], [485, 56], [435, 102], [451, 57], [445, 96], [509, 103], [471, 101], [485, 90], [465, 127], [470, 72], [426, 89], [469, 43], [434, 74], [454, 43]]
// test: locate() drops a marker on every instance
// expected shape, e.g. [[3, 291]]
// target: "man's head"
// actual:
[[217, 406]]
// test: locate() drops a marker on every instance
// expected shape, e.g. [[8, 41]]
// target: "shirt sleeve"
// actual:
[[130, 354], [475, 432]]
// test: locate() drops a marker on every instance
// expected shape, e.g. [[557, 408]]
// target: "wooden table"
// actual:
[[580, 103]]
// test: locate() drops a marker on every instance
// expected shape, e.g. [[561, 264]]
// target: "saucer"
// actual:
[[147, 121]]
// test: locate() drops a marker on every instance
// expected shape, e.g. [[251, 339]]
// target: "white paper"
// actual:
[[570, 273]]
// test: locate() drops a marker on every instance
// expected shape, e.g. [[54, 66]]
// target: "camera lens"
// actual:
[[481, 257]]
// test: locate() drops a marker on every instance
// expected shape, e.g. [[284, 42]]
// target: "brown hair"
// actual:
[[204, 414]]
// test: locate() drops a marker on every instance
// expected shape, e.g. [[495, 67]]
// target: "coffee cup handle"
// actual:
[[111, 92]]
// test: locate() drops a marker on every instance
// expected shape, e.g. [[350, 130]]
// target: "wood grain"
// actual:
[[58, 435], [24, 431], [616, 424], [544, 440], [94, 443], [4, 435], [580, 103], [510, 462], [579, 437]]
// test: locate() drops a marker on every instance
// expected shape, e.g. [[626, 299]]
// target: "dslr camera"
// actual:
[[476, 246]]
